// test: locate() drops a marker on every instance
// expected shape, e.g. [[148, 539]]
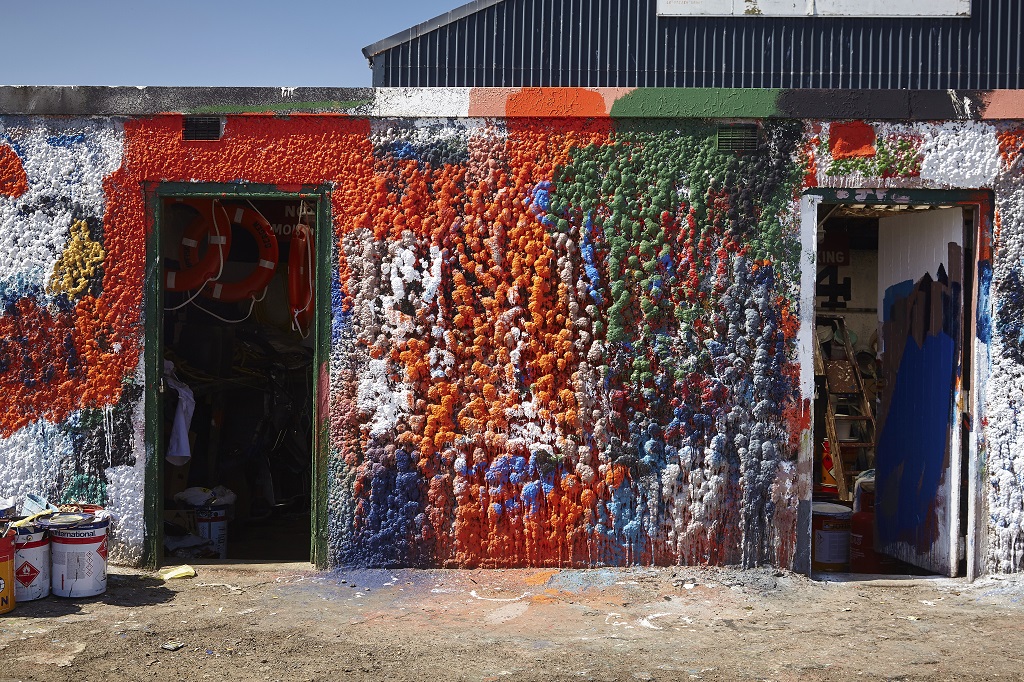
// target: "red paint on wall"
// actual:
[[99, 341], [13, 181], [855, 139]]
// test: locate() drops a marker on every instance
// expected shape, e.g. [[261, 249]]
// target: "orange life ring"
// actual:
[[211, 222], [249, 219], [300, 278]]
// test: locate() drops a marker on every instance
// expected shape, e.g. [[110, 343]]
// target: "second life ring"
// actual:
[[250, 220], [211, 222], [301, 278]]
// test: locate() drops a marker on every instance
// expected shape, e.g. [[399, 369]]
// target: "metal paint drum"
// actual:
[[31, 563], [7, 598], [79, 556], [212, 524], [830, 537]]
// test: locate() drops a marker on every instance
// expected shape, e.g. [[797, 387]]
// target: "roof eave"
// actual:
[[427, 26]]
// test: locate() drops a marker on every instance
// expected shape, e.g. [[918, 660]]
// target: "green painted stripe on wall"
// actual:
[[698, 103]]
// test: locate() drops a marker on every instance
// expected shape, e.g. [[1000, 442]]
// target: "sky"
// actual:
[[288, 43]]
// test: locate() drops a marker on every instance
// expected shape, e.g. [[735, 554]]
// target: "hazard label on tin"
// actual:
[[102, 549], [26, 574]]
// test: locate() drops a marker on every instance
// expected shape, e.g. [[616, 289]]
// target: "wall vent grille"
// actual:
[[202, 128], [739, 138]]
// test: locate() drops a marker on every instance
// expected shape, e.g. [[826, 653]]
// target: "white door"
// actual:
[[918, 455]]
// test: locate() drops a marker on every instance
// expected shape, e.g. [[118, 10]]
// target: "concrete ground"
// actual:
[[289, 622]]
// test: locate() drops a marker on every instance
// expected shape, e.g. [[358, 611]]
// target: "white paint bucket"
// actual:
[[79, 554], [31, 563], [830, 541], [212, 524]]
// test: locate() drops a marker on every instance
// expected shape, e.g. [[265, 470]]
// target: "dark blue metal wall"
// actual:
[[623, 43]]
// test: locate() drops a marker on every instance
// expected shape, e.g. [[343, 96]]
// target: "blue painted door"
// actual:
[[918, 455]]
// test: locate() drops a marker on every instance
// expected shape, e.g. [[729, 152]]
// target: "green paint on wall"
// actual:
[[85, 489], [699, 103]]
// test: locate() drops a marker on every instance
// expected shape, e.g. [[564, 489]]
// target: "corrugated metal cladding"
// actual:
[[623, 43]]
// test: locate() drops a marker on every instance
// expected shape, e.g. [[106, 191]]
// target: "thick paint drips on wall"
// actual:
[[568, 345], [554, 341]]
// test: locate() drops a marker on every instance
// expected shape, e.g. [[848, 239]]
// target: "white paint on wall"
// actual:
[[66, 162], [421, 102], [126, 491], [963, 155], [33, 459]]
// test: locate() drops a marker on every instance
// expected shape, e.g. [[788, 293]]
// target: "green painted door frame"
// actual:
[[153, 356]]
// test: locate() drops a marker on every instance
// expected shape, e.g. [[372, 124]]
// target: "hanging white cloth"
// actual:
[[178, 450]]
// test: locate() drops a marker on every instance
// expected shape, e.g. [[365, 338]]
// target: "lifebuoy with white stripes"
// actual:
[[249, 219], [210, 223], [301, 278]]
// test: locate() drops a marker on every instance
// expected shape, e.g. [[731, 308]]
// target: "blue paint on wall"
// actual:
[[984, 318], [390, 517], [66, 140], [1010, 314]]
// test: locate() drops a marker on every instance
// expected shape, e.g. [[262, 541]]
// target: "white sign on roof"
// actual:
[[815, 8]]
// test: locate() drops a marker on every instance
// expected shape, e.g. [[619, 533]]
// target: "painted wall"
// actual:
[[555, 340], [567, 342]]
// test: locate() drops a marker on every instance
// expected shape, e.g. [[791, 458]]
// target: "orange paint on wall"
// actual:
[[105, 333], [13, 180], [855, 139], [543, 102]]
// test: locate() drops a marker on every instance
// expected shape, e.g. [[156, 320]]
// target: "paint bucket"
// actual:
[[830, 545], [31, 563], [844, 429], [212, 524], [7, 598], [79, 555]]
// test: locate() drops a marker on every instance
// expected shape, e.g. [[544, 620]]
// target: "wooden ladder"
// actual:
[[847, 402]]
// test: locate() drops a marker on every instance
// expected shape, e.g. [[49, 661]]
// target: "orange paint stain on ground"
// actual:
[[540, 577]]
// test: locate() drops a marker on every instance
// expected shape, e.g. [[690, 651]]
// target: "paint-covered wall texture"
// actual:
[[567, 342], [555, 341], [70, 326]]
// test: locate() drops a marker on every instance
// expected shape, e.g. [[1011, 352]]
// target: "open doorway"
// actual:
[[237, 367], [891, 335]]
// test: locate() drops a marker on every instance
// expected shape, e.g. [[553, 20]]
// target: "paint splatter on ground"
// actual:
[[285, 622]]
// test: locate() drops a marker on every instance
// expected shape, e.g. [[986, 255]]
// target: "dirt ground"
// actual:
[[288, 622]]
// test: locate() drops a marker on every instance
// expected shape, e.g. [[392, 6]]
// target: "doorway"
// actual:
[[892, 336], [236, 351]]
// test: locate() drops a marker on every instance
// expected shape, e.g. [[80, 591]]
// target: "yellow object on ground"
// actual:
[[178, 572]]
